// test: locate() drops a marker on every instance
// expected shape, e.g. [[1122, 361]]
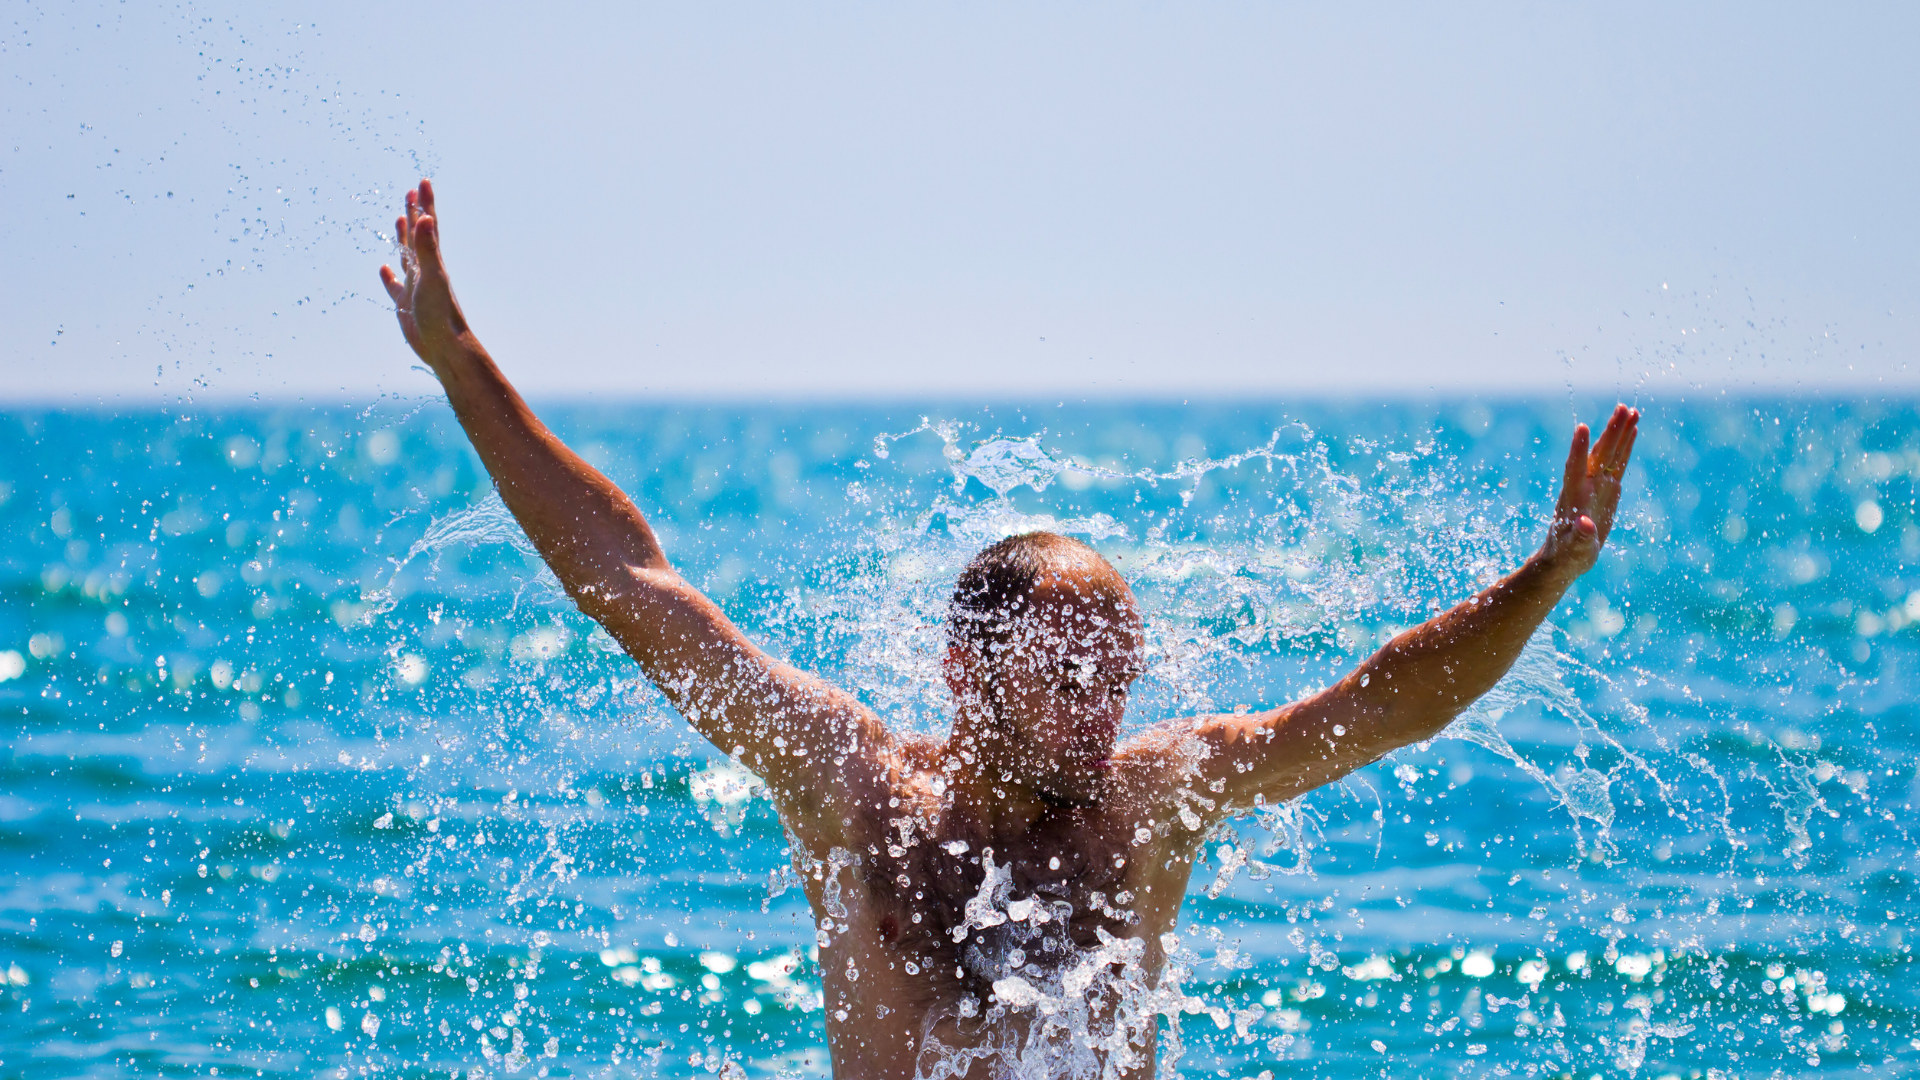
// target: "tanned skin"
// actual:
[[1032, 768]]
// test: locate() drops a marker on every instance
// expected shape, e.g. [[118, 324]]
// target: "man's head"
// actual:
[[1044, 642]]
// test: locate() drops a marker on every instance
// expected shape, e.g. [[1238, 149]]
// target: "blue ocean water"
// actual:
[[310, 769]]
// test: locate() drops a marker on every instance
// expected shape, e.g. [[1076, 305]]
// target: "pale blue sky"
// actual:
[[969, 201]]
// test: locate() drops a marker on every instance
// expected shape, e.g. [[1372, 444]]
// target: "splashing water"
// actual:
[[306, 736]]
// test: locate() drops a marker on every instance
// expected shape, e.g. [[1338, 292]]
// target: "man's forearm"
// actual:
[[1414, 686], [584, 527], [1407, 692]]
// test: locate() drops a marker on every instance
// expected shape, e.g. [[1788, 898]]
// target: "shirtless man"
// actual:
[[999, 895]]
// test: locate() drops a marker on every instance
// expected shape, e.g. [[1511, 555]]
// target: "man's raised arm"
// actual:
[[807, 738], [1414, 686]]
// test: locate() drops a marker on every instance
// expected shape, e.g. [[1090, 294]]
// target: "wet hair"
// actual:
[[999, 581]]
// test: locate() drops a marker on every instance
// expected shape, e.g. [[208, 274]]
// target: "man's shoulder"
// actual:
[[902, 779], [914, 754], [1155, 764], [1169, 747]]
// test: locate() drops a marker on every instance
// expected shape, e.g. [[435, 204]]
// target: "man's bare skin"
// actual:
[[1083, 843]]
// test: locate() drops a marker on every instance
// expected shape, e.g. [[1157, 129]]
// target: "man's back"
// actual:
[[943, 954]]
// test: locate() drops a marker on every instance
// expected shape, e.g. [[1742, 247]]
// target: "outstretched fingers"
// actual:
[[419, 233], [399, 285], [1609, 438], [395, 290], [406, 231], [1610, 463], [1576, 460], [422, 219], [426, 245], [418, 240], [1611, 458], [1590, 489]]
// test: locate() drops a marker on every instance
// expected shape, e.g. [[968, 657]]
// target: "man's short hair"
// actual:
[[999, 581]]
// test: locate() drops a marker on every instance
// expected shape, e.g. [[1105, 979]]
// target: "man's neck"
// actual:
[[999, 810]]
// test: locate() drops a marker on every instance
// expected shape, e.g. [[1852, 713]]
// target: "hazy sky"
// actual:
[[965, 200]]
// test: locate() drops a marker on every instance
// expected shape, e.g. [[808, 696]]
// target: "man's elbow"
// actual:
[[662, 578], [1419, 718], [622, 587], [1429, 723]]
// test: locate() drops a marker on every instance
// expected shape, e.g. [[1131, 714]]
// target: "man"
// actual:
[[997, 898]]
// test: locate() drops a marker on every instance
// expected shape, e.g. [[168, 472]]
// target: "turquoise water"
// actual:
[[311, 771]]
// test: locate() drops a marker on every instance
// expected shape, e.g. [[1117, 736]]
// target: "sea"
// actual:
[[311, 769]]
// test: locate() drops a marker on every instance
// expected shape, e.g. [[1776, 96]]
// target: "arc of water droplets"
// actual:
[[485, 522], [1002, 464]]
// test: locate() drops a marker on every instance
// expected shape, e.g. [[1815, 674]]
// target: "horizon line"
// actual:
[[1003, 396]]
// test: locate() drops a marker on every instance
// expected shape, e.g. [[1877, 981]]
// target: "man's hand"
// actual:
[[429, 315], [1589, 493]]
